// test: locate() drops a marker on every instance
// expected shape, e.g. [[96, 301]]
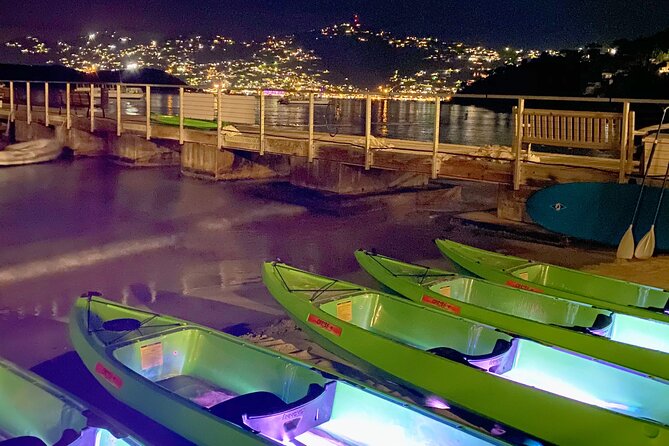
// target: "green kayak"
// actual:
[[216, 389], [605, 292], [191, 123], [547, 392], [617, 338], [35, 412]]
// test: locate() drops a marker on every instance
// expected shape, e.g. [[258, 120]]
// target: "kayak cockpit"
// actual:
[[274, 397], [499, 360]]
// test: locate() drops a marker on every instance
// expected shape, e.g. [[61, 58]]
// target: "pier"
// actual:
[[587, 144]]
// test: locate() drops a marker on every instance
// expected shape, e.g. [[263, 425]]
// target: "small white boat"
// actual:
[[37, 151], [126, 92]]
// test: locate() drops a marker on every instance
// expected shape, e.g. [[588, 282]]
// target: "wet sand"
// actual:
[[193, 249]]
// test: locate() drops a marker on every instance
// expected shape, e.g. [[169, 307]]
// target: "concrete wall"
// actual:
[[511, 203], [350, 180], [207, 161]]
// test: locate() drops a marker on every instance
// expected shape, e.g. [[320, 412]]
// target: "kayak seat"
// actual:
[[23, 441], [600, 327], [247, 404], [485, 361], [259, 403]]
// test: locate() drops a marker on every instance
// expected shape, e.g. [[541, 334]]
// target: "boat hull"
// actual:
[[512, 404], [603, 292], [396, 276]]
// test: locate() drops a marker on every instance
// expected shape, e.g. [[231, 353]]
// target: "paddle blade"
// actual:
[[646, 246], [626, 245]]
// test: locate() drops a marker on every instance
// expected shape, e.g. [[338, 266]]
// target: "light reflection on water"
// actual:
[[412, 120]]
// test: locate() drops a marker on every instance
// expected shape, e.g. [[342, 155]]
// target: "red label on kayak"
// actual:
[[325, 325], [521, 286], [441, 304], [108, 375]]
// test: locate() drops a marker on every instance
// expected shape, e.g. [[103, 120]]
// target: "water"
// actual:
[[410, 120], [153, 239]]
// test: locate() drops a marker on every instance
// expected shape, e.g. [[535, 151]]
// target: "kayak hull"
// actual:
[[429, 286], [604, 292]]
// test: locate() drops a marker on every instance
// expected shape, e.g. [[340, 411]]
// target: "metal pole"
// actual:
[[92, 104], [310, 149], [368, 132], [68, 118], [29, 117], [181, 115], [518, 144], [46, 104], [11, 100], [219, 121], [262, 122], [623, 142], [119, 125], [435, 147], [148, 112]]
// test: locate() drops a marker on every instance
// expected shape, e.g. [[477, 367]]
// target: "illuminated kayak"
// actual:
[[549, 393], [201, 124], [605, 292], [616, 338], [216, 389], [37, 413]]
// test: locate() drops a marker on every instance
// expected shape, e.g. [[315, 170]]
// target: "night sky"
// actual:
[[521, 23]]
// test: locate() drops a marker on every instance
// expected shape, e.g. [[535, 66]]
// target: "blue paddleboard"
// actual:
[[600, 212]]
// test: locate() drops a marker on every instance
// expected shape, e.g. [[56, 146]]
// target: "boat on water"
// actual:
[[637, 344], [214, 389], [550, 393], [130, 93], [34, 412], [199, 124], [31, 152], [301, 100], [631, 298]]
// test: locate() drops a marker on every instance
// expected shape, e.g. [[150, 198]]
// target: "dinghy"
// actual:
[[615, 338], [643, 301], [547, 392], [216, 389], [34, 412], [30, 152]]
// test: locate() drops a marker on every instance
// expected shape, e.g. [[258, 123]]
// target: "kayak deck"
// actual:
[[523, 361], [535, 276]]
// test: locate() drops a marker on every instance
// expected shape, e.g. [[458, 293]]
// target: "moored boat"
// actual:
[[215, 389], [615, 338], [605, 292], [35, 412], [550, 393], [31, 152]]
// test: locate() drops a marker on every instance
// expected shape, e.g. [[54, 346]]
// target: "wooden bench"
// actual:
[[79, 100]]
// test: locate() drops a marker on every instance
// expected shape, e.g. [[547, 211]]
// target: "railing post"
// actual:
[[623, 143], [219, 120], [148, 112], [630, 143], [119, 125], [29, 117], [46, 104], [68, 118], [368, 132], [262, 122], [11, 100], [310, 149], [181, 115], [91, 101], [435, 147], [518, 144]]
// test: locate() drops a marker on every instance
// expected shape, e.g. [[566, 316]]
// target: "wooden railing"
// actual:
[[561, 128]]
